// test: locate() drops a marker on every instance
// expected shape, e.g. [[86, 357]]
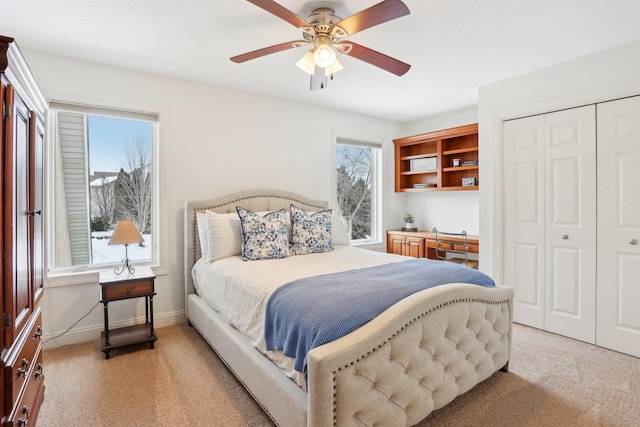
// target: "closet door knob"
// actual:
[[633, 242], [565, 237]]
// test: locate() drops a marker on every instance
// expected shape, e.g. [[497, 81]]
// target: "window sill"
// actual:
[[75, 278]]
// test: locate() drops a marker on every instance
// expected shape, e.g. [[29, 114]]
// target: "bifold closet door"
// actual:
[[618, 325], [524, 217], [550, 220], [570, 223]]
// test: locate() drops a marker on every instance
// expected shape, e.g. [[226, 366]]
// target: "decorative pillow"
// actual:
[[201, 221], [224, 236], [338, 232], [310, 232], [263, 237]]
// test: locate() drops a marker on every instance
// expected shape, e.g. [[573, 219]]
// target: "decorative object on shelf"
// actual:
[[408, 221], [423, 164], [470, 163], [427, 185], [468, 182], [456, 163], [125, 233]]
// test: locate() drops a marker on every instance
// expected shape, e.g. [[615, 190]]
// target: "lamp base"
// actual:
[[125, 266], [126, 263]]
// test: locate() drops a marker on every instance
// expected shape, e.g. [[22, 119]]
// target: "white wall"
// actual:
[[604, 76], [451, 211], [212, 141]]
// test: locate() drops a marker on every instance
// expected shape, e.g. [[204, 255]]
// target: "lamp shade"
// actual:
[[125, 233]]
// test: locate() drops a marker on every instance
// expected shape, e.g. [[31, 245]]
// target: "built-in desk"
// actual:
[[423, 243]]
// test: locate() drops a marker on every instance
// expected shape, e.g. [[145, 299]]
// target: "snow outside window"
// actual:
[[103, 170]]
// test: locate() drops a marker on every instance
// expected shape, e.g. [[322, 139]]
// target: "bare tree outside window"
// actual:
[[354, 178], [103, 203], [133, 190]]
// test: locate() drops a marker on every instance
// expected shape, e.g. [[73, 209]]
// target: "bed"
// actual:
[[413, 358]]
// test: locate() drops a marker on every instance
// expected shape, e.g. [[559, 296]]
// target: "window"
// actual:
[[358, 189], [103, 171]]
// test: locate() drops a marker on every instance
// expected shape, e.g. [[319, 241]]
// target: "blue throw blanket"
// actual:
[[312, 311]]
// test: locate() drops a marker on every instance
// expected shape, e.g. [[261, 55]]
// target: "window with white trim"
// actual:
[[358, 189], [102, 164]]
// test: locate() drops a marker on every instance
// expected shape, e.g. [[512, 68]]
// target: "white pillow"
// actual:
[[224, 235], [201, 221], [339, 234]]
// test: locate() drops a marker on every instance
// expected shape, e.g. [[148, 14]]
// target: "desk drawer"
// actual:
[[128, 289], [472, 248]]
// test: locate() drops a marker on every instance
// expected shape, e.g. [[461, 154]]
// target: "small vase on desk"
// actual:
[[408, 225]]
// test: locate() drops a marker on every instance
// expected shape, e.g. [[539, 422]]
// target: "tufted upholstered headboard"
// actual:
[[255, 200]]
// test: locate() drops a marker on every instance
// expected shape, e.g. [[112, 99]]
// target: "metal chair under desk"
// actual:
[[445, 246]]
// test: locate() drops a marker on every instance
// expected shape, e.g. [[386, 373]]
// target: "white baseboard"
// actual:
[[91, 333]]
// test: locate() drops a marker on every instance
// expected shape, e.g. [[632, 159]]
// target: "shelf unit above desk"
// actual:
[[459, 143]]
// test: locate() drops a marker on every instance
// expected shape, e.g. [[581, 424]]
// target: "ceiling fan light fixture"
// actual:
[[306, 63], [324, 56], [334, 68]]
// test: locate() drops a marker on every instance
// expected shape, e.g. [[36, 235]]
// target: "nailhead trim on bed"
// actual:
[[466, 352]]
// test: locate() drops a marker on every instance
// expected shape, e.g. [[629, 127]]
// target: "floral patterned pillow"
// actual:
[[263, 237], [310, 233]]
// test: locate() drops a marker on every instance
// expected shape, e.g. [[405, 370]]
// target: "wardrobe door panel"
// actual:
[[618, 324], [570, 223], [524, 218], [17, 238]]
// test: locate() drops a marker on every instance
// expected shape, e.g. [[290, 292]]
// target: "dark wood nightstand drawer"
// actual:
[[128, 289]]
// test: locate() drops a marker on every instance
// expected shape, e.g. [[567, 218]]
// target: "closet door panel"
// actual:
[[564, 283], [524, 218], [570, 223], [618, 324]]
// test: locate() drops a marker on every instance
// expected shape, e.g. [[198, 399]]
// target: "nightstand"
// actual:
[[117, 287]]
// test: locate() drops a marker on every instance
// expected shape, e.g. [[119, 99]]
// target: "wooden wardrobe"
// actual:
[[21, 239]]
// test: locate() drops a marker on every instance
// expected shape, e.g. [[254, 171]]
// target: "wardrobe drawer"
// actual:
[[25, 411], [23, 358]]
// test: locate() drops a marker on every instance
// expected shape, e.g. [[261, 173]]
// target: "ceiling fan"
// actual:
[[326, 33]]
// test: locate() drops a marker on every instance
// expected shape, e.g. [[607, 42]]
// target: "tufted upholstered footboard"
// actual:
[[414, 358]]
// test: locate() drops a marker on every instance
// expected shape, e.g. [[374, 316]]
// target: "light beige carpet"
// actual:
[[553, 381]]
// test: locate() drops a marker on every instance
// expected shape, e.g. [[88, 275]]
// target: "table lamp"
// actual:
[[124, 234]]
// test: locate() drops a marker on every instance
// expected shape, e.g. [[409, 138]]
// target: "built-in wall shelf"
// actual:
[[455, 153]]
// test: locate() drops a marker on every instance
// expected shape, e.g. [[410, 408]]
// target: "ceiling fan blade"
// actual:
[[378, 59], [380, 13], [268, 50], [281, 12]]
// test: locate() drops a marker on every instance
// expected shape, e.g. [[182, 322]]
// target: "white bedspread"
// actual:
[[239, 290]]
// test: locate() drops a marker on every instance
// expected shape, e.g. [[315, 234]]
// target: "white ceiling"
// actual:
[[454, 46]]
